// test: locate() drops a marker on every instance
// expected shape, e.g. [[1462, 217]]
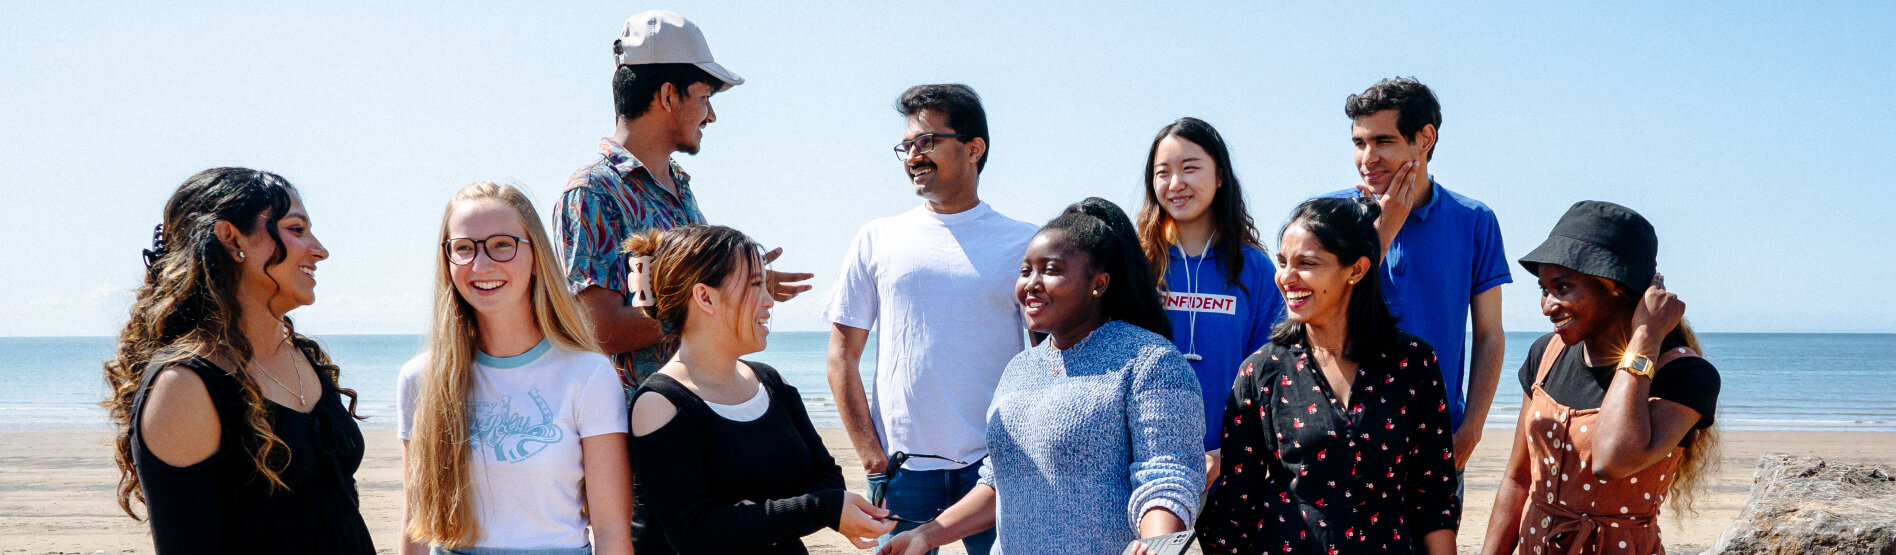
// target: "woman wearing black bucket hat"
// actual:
[[1618, 408]]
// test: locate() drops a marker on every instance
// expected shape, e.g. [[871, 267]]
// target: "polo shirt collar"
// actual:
[[1435, 198]]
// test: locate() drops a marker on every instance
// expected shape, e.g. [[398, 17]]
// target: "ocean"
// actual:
[[1771, 381]]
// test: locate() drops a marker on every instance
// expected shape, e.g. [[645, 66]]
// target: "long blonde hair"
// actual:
[[1700, 458], [187, 307], [436, 475]]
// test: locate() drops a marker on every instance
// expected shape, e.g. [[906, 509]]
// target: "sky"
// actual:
[[1753, 135]]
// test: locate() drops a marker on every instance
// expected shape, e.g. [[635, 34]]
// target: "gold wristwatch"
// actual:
[[1637, 364]]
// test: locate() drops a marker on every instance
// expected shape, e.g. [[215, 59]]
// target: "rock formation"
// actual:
[[1802, 505]]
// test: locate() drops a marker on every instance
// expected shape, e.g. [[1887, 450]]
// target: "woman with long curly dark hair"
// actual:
[[232, 429]]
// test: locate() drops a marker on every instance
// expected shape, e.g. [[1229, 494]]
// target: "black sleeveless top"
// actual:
[[693, 474], [223, 505]]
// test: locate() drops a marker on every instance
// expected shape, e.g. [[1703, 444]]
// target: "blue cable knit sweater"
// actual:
[[1082, 442]]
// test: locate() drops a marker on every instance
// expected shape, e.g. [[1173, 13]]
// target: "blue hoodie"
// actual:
[[1232, 322]]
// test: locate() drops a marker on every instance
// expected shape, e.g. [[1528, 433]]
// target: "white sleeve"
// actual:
[[407, 392], [601, 407], [852, 302]]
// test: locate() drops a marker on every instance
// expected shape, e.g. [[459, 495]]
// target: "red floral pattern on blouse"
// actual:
[[1302, 473]]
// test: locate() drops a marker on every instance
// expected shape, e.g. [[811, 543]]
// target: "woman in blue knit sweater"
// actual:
[[1094, 436]]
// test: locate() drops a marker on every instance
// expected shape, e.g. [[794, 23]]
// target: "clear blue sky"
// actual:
[[1755, 136]]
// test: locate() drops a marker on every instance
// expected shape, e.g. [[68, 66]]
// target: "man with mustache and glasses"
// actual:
[[662, 100], [1442, 255], [937, 282]]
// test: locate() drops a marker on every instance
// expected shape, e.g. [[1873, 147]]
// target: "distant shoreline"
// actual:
[[55, 382]]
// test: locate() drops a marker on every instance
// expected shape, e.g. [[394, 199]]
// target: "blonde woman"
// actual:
[[513, 429]]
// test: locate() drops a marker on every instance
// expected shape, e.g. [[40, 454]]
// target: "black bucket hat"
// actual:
[[1601, 239]]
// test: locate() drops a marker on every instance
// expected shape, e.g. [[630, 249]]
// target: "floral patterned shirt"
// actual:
[[604, 203], [1303, 473]]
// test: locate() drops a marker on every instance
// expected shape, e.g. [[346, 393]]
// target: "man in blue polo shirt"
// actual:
[[1442, 256]]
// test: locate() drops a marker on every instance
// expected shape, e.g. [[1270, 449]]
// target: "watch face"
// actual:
[[1637, 365]]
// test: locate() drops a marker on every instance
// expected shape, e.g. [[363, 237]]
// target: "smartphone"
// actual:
[[1170, 544]]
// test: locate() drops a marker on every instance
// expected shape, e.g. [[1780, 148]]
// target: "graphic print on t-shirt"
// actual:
[[1201, 302], [510, 436]]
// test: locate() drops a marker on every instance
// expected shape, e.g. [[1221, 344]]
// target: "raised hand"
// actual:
[[1658, 312], [1400, 196], [782, 285], [1397, 201]]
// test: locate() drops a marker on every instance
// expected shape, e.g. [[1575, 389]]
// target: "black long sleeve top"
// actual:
[[694, 475]]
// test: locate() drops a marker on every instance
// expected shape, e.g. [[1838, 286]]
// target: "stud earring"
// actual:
[[240, 255]]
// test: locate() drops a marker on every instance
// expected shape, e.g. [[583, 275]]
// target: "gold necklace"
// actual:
[[301, 402]]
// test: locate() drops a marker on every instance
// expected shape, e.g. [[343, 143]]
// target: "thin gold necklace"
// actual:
[[301, 402]]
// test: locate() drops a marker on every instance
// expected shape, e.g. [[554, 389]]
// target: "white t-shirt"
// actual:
[[529, 412], [747, 411], [939, 291]]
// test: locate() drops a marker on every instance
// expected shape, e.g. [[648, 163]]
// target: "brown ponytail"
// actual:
[[683, 257]]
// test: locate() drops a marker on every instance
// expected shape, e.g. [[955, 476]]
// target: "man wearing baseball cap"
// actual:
[[662, 102]]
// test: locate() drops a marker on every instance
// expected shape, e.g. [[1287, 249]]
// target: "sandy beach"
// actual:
[[56, 488]]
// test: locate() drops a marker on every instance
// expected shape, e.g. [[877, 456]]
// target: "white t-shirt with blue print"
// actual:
[[528, 415]]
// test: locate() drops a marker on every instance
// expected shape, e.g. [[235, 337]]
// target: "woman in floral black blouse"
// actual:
[[1336, 434]]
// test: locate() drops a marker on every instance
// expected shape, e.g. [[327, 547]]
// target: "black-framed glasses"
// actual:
[[879, 493], [500, 248], [924, 144]]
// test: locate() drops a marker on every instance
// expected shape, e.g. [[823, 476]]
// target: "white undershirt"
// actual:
[[746, 411]]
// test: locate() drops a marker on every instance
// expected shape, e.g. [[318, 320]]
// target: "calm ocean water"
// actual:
[[1771, 381]]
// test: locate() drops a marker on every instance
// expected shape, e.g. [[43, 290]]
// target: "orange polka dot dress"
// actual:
[[1568, 509]]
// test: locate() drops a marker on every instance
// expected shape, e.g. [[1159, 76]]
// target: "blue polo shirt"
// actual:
[[1448, 251], [1232, 321]]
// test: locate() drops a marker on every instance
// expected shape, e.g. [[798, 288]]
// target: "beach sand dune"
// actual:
[[57, 488]]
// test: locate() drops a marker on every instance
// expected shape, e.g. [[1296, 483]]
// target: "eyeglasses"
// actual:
[[924, 144], [879, 492], [500, 248]]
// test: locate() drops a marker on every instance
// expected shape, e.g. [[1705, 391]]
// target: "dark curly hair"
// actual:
[[1414, 103], [187, 307]]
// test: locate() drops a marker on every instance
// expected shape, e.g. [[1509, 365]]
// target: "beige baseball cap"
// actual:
[[662, 37]]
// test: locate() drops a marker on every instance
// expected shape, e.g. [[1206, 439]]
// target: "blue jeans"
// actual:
[[921, 494]]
